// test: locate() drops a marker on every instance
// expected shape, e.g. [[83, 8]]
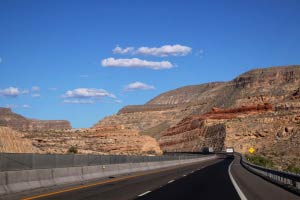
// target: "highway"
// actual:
[[204, 180]]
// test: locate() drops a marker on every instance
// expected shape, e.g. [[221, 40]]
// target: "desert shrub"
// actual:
[[293, 169], [151, 152], [73, 149], [260, 160]]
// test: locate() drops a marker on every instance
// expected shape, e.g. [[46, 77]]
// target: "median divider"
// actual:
[[22, 180]]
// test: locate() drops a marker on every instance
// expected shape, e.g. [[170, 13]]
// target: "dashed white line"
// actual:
[[237, 188], [183, 175], [171, 181], [144, 193]]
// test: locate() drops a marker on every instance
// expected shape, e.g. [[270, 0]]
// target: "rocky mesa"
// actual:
[[259, 109], [21, 135], [102, 140], [274, 85], [18, 122]]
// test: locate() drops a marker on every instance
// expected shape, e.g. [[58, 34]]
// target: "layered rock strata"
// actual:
[[102, 140], [271, 131], [18, 122], [12, 141], [274, 85]]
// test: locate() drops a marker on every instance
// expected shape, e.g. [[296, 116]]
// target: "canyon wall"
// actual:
[[12, 141], [104, 140], [21, 135], [259, 109], [274, 85], [18, 122], [272, 131]]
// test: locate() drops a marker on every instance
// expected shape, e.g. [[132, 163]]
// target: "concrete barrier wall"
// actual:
[[28, 161], [17, 181]]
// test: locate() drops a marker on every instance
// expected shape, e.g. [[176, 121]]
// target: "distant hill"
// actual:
[[18, 122], [259, 109], [267, 85]]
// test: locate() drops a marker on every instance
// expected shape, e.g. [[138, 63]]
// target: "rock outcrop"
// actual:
[[208, 130], [223, 114], [275, 134], [56, 136], [12, 141], [18, 122], [102, 140], [259, 109], [273, 85]]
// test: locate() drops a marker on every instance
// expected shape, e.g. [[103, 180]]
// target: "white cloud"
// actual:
[[17, 106], [26, 106], [35, 95], [10, 106], [35, 88], [119, 50], [77, 101], [163, 51], [138, 86], [87, 93], [166, 50], [118, 101], [12, 92], [136, 63]]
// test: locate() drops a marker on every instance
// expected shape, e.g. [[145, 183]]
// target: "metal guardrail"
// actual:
[[289, 181], [25, 161]]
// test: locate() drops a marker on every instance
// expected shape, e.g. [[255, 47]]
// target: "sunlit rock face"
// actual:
[[106, 140], [278, 86], [12, 141], [196, 132], [18, 122], [272, 132], [170, 117]]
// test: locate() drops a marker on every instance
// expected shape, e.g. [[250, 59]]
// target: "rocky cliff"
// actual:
[[259, 109], [56, 136], [102, 140], [271, 131], [12, 141], [273, 85], [18, 122]]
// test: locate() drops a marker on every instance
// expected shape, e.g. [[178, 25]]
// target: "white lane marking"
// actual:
[[237, 188], [183, 175], [144, 193], [171, 181]]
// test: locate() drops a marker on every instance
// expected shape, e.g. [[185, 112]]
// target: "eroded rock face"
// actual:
[[18, 122], [192, 135], [102, 140], [12, 141], [275, 134], [208, 130], [275, 85]]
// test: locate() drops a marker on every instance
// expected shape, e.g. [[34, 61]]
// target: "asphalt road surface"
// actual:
[[204, 180], [212, 182], [256, 188]]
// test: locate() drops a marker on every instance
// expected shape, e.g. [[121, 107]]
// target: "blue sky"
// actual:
[[57, 59]]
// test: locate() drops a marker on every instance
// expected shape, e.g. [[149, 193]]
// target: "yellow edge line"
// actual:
[[81, 187], [94, 184]]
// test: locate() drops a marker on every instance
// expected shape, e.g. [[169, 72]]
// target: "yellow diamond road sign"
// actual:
[[251, 150]]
